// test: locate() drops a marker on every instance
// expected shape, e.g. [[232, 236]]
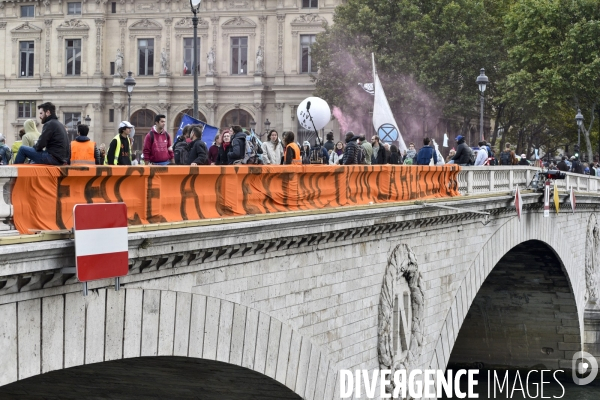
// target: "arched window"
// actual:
[[189, 112], [237, 117], [143, 120]]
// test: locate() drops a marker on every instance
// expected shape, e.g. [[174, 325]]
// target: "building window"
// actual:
[[237, 117], [74, 8], [146, 56], [310, 3], [73, 50], [71, 120], [239, 56], [26, 109], [112, 67], [113, 7], [26, 58], [307, 65], [27, 11], [188, 56], [111, 115]]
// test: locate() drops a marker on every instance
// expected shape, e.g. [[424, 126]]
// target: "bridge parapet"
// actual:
[[477, 180]]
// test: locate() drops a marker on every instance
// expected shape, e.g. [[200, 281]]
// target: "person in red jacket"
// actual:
[[158, 148]]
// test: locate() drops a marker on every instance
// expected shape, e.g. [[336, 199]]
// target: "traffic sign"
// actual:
[[101, 241]]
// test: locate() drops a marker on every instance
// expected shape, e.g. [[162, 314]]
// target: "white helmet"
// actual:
[[126, 124]]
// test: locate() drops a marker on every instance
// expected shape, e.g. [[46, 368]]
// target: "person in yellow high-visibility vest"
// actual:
[[83, 150], [119, 150]]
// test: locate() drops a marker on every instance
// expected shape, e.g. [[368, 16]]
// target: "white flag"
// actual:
[[518, 203], [383, 120], [445, 144]]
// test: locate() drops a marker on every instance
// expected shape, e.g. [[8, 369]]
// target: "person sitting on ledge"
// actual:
[[54, 139]]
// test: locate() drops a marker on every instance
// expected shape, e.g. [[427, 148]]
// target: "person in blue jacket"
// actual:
[[424, 155]]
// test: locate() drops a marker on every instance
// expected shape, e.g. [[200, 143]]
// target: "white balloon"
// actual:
[[319, 110]]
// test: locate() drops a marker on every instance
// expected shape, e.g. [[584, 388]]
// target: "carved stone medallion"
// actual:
[[401, 312]]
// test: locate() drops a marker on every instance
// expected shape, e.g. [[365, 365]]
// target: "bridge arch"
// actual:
[[70, 330], [510, 235]]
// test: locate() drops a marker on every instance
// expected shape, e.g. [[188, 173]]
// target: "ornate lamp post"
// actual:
[[482, 81], [195, 5], [579, 119], [87, 120], [129, 83]]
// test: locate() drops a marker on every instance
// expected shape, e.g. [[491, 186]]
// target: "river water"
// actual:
[[552, 389]]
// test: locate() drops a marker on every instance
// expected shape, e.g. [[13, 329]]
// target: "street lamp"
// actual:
[[195, 5], [267, 126], [253, 126], [482, 81], [579, 119], [129, 83], [87, 120]]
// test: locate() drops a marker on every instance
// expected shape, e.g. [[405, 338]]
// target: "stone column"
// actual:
[[279, 117], [2, 40], [212, 114], [259, 109], [279, 74], [48, 34], [97, 123]]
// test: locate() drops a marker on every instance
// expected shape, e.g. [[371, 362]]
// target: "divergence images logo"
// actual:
[[584, 364]]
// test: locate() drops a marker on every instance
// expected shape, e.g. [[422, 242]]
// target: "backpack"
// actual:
[[253, 152], [505, 158], [408, 161], [8, 154], [360, 154], [471, 157], [181, 151]]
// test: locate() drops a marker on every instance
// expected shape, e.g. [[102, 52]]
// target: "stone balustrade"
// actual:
[[477, 180]]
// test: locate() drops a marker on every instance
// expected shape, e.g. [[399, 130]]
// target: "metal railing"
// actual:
[[474, 180]]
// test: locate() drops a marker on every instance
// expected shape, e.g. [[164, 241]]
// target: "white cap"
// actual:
[[125, 124]]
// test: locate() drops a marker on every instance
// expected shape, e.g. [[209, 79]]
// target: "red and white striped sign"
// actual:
[[101, 241]]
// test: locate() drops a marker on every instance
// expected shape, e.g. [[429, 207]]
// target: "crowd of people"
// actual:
[[235, 145]]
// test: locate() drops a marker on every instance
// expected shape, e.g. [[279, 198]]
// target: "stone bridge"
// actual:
[[284, 302]]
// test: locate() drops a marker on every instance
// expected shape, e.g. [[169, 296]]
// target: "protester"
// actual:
[[119, 149], [505, 156], [411, 154], [513, 158], [576, 166], [292, 150], [102, 149], [395, 158], [197, 151], [32, 135], [351, 149], [388, 153], [463, 152], [523, 160], [368, 150], [158, 149], [426, 153], [482, 154], [224, 148], [16, 145], [238, 146], [272, 149], [450, 155], [305, 152], [329, 143], [213, 151], [378, 151], [180, 148], [83, 150], [336, 156], [5, 153], [53, 139]]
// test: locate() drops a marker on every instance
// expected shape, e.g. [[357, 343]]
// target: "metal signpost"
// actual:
[[101, 242]]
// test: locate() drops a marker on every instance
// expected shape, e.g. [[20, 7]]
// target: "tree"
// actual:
[[428, 55], [554, 58]]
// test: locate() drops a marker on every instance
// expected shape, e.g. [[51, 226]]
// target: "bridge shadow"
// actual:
[[151, 378], [524, 315]]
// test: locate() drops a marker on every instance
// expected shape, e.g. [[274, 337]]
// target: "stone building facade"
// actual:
[[254, 61]]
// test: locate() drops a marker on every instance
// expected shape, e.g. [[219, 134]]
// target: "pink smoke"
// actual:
[[346, 122]]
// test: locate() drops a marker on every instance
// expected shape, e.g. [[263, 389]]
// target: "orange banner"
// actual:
[[43, 196]]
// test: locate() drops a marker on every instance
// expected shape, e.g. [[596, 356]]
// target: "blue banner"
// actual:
[[208, 134]]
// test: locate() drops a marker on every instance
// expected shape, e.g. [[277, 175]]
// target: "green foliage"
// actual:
[[542, 58]]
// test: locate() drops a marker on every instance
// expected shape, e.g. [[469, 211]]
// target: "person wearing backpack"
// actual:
[[395, 157], [158, 149], [197, 151], [180, 148], [5, 153], [463, 152], [237, 150], [505, 155]]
